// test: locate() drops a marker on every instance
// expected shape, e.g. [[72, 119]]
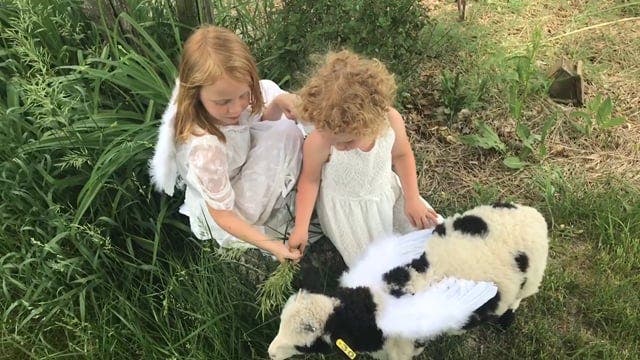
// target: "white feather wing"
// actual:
[[162, 167], [446, 306], [383, 255]]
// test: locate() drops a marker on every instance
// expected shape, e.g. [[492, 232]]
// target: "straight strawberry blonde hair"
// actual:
[[210, 53]]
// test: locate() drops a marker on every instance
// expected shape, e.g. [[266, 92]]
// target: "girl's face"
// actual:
[[344, 142], [225, 100]]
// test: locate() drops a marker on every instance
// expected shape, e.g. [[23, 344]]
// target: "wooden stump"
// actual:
[[567, 83]]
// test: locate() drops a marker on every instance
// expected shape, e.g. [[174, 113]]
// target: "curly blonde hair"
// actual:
[[348, 94], [210, 53]]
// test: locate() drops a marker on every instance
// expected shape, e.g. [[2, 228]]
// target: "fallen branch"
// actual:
[[593, 27]]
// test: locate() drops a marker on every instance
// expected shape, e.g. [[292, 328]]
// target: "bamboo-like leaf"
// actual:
[[117, 154]]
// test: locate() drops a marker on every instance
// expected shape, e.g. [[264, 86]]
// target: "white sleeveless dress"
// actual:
[[360, 198]]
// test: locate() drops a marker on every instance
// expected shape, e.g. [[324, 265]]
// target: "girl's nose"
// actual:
[[236, 107]]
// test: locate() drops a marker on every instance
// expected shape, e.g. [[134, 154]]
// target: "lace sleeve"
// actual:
[[208, 169]]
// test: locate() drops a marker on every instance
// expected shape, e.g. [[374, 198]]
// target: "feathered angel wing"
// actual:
[[383, 255], [443, 307], [162, 167]]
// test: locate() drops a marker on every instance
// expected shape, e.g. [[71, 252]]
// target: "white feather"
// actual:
[[446, 306], [270, 90], [383, 255], [162, 167]]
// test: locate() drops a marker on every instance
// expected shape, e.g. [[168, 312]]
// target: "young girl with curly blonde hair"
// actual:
[[349, 160], [237, 169]]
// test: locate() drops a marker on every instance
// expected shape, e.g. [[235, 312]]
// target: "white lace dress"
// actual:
[[360, 198], [252, 174]]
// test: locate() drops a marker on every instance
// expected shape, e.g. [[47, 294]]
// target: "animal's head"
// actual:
[[302, 326]]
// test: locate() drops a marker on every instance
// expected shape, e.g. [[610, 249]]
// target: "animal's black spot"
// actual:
[[523, 261], [504, 205], [491, 305], [472, 321], [471, 224], [522, 284], [486, 312], [319, 346], [397, 292], [420, 264], [506, 319], [396, 277], [440, 229], [354, 320]]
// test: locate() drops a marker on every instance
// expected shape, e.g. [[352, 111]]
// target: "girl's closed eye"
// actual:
[[222, 102]]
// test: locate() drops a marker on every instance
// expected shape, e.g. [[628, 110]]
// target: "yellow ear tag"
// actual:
[[345, 349]]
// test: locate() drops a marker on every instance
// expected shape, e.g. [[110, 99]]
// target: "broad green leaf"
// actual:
[[486, 139], [513, 162], [613, 122], [523, 131], [604, 110]]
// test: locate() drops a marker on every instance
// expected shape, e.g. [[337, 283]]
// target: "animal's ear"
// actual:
[[301, 294]]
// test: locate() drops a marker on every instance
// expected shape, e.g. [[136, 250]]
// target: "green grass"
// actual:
[[95, 264]]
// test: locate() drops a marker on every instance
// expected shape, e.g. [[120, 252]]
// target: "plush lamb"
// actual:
[[405, 290]]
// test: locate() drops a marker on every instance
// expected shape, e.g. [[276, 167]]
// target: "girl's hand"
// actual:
[[298, 239], [282, 252], [287, 104], [419, 214]]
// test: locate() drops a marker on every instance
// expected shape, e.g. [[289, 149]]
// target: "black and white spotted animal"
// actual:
[[473, 267]]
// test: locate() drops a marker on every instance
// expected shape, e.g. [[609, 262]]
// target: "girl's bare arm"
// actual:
[[404, 163], [230, 222], [403, 160], [315, 154]]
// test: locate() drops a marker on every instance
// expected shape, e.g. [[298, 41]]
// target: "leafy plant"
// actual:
[[599, 112], [452, 94], [486, 138], [526, 78], [531, 143], [458, 94]]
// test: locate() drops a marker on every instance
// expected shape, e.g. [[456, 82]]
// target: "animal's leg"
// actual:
[[462, 6], [505, 320], [515, 304], [399, 349]]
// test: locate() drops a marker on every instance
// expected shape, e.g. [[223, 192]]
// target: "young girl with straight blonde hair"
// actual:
[[236, 168]]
